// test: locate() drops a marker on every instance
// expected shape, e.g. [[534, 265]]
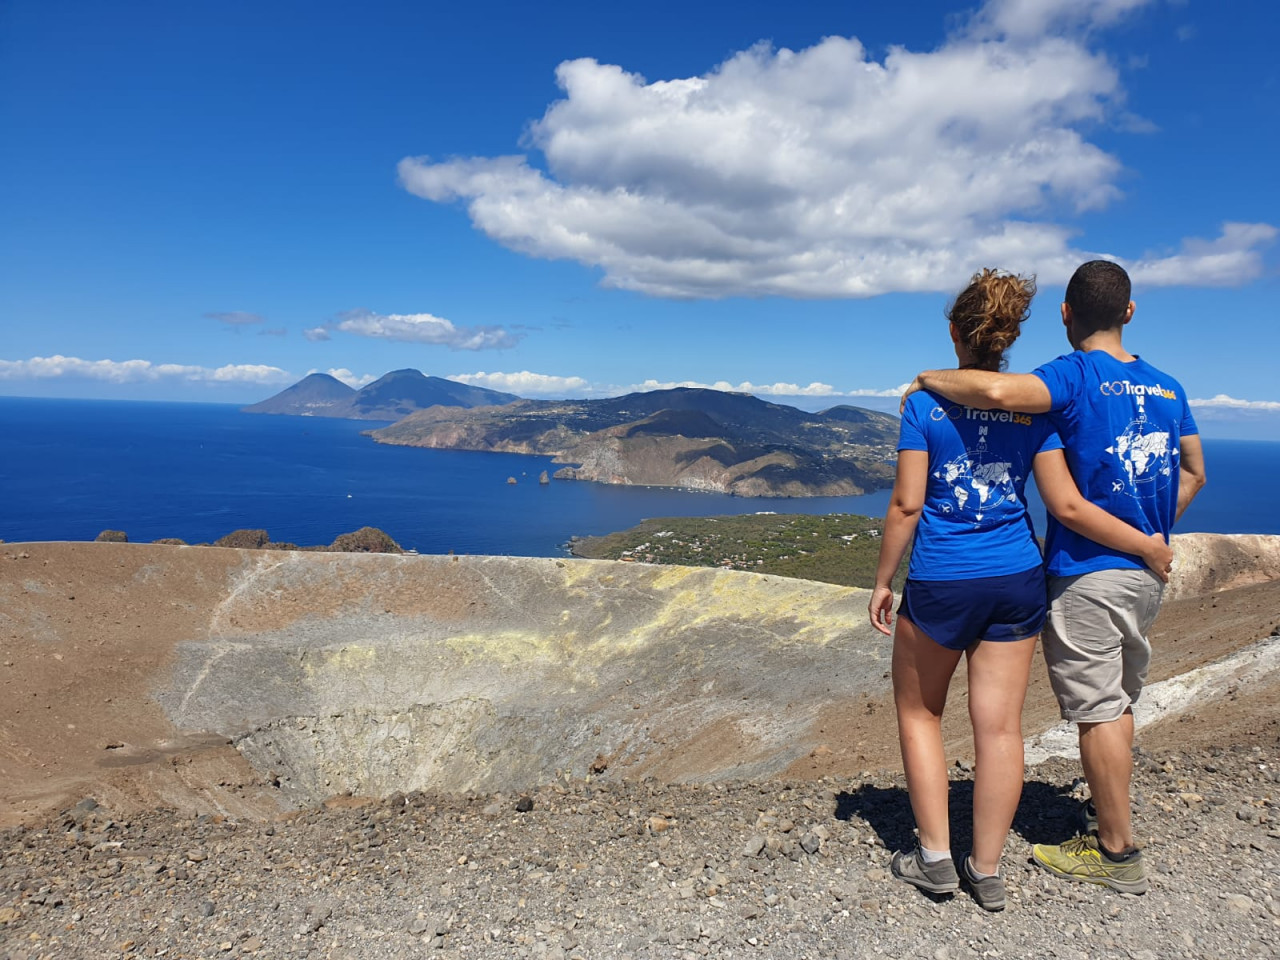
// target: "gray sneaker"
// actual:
[[937, 877], [988, 892]]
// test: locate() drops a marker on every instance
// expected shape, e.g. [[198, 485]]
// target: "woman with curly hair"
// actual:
[[975, 586]]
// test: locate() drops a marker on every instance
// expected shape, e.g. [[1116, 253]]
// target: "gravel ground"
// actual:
[[647, 870]]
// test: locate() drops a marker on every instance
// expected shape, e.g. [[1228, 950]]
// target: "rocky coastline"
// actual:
[[693, 439]]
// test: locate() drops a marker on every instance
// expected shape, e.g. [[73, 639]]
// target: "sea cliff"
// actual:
[[697, 439]]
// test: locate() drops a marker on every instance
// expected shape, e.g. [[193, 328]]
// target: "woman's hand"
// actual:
[[881, 609], [1158, 555]]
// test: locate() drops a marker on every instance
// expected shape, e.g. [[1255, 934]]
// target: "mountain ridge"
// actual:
[[689, 437], [392, 396]]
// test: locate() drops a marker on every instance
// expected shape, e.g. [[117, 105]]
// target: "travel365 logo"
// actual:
[[1124, 388], [983, 416]]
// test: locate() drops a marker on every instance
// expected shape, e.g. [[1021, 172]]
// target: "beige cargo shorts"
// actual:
[[1095, 641]]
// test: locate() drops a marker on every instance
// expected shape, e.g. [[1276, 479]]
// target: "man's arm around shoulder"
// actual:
[[986, 389]]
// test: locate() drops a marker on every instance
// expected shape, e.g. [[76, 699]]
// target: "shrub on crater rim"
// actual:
[[365, 540], [244, 539]]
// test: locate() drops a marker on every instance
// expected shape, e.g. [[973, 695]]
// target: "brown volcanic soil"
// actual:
[[110, 624], [105, 622], [1189, 633]]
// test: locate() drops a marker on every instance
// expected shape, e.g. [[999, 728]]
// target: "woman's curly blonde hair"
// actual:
[[988, 315]]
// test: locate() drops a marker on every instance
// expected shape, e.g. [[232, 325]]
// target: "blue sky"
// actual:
[[206, 201]]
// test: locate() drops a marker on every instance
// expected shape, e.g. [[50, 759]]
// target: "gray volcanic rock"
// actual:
[[714, 465], [633, 870], [1207, 563], [559, 663]]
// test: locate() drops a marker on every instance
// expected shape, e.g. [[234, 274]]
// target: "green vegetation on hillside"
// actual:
[[838, 548]]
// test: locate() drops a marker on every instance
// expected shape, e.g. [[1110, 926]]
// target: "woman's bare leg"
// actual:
[[998, 675], [922, 672]]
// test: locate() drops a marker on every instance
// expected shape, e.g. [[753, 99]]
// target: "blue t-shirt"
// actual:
[[1121, 424], [974, 522]]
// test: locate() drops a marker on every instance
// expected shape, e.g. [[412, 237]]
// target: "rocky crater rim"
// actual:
[[374, 674], [497, 674]]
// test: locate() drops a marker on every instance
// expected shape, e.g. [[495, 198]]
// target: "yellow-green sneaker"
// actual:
[[1080, 858], [1087, 818]]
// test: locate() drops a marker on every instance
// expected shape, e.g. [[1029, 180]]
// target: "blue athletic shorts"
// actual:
[[957, 613]]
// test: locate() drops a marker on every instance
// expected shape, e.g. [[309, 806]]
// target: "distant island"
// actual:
[[396, 395], [685, 437], [693, 438]]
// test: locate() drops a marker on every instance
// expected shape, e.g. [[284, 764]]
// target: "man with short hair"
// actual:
[[1134, 450]]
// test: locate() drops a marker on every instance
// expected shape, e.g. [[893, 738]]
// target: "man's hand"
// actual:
[[880, 609], [1158, 555], [912, 387]]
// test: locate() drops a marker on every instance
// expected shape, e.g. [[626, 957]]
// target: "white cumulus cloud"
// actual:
[[897, 391], [1031, 18], [347, 377], [1222, 402], [420, 328], [138, 371], [239, 373], [1208, 263], [528, 384], [825, 172], [780, 389], [525, 383], [814, 389]]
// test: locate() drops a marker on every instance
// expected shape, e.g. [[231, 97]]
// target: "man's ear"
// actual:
[[1066, 314], [1128, 313]]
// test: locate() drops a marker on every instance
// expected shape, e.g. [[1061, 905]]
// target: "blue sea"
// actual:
[[71, 468]]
